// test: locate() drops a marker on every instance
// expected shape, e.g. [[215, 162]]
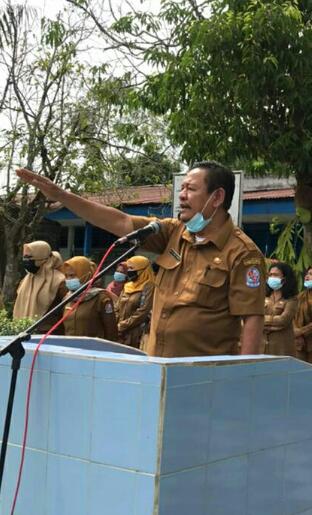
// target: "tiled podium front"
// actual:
[[114, 434]]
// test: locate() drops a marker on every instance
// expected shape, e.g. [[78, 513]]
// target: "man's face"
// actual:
[[194, 195]]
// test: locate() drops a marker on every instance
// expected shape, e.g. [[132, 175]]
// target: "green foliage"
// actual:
[[235, 82], [9, 326], [53, 32], [291, 237]]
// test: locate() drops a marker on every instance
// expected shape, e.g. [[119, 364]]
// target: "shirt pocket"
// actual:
[[278, 308], [166, 262], [212, 289]]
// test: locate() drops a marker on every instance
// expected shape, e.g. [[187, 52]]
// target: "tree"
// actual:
[[63, 117], [234, 79], [38, 125]]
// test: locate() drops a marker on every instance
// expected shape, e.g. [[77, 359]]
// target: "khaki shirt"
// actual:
[[133, 313], [202, 289], [278, 326], [94, 317]]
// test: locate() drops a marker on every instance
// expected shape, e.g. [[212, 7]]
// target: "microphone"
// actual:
[[140, 234]]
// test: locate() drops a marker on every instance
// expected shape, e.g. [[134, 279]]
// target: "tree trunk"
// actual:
[[308, 239], [12, 268]]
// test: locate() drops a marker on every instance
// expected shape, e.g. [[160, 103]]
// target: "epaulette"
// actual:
[[249, 244]]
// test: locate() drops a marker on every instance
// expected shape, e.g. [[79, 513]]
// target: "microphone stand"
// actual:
[[17, 351]]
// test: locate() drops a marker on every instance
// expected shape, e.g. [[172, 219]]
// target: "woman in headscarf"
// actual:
[[303, 320], [135, 302], [43, 287], [120, 278], [95, 316]]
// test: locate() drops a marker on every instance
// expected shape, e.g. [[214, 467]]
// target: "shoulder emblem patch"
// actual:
[[108, 308], [253, 277]]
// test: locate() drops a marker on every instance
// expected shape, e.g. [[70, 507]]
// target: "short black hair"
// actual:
[[218, 176], [290, 287]]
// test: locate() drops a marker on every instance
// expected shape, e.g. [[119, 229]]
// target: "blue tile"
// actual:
[[265, 482], [67, 486], [272, 366], [186, 427], [234, 371], [32, 493], [6, 360], [231, 416], [116, 423], [42, 362], [298, 477], [147, 373], [144, 494], [38, 409], [70, 415], [111, 491], [300, 406], [149, 428], [72, 365], [297, 365], [268, 411], [226, 487], [5, 380], [182, 375], [183, 493]]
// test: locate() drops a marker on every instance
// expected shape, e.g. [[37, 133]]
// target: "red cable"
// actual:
[[59, 322]]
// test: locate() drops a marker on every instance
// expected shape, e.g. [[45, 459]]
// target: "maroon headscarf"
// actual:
[[115, 286]]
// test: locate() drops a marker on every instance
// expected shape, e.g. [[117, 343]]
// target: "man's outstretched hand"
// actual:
[[47, 187]]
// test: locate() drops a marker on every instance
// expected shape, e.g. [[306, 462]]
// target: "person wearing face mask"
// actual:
[[120, 277], [43, 286], [303, 320], [280, 310], [135, 302], [95, 316], [211, 274]]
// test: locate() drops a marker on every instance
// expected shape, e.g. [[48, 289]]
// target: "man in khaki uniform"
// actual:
[[211, 274]]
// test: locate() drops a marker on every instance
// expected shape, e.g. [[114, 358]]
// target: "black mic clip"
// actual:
[[138, 236]]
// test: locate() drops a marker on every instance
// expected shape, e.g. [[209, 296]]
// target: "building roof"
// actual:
[[269, 194], [161, 194], [157, 194]]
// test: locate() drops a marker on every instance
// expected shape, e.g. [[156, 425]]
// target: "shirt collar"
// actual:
[[219, 238]]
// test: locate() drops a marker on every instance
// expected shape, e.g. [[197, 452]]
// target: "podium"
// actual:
[[126, 434]]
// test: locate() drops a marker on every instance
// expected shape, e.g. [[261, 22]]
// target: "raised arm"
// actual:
[[108, 218]]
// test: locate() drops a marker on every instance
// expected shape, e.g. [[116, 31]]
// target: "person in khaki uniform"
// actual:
[[135, 302], [95, 315], [43, 287], [211, 275], [280, 310], [303, 320]]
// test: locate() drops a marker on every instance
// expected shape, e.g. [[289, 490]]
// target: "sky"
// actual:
[[47, 7], [50, 8]]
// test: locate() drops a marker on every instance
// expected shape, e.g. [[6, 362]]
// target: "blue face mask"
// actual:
[[198, 223], [308, 284], [275, 283], [73, 284], [119, 277]]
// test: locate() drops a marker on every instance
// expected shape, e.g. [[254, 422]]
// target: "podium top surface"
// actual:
[[104, 350]]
